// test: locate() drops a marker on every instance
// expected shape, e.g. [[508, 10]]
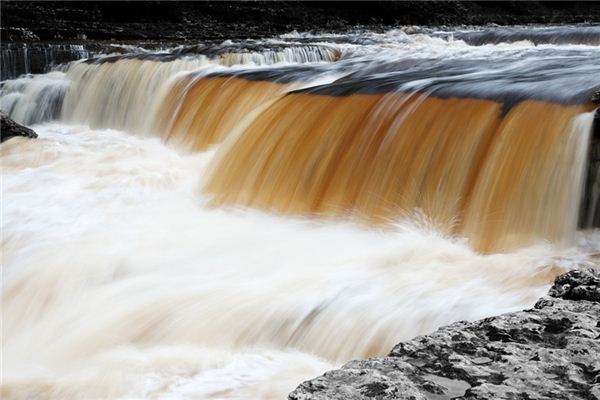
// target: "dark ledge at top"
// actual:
[[180, 20], [549, 352]]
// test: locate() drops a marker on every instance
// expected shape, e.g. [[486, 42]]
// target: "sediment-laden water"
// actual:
[[226, 221]]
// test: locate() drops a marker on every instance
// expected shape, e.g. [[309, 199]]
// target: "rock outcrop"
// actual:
[[10, 129], [551, 351]]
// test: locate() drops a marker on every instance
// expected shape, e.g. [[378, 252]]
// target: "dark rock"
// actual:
[[577, 285], [10, 129], [549, 352], [589, 215], [167, 20]]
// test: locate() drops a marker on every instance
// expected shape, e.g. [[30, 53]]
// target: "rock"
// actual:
[[549, 352], [202, 20], [589, 212], [577, 285], [10, 128], [596, 128]]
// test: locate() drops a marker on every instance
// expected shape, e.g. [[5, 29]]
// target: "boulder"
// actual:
[[10, 129], [551, 351]]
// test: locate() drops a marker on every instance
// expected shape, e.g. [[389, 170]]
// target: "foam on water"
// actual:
[[119, 281]]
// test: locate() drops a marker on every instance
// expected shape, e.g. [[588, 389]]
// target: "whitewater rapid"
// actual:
[[120, 281]]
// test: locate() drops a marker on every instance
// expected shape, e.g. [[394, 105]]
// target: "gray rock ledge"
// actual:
[[551, 351], [10, 129]]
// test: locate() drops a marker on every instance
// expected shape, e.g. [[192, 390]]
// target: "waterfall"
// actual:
[[493, 161], [500, 180], [226, 220], [34, 99]]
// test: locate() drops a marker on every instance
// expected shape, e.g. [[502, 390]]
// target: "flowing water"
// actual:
[[226, 221]]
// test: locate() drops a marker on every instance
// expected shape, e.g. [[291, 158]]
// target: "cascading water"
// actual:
[[28, 58], [108, 90], [395, 183]]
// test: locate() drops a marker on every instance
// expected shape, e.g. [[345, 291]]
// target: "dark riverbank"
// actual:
[[162, 20]]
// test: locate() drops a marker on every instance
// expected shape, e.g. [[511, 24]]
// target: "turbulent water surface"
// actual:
[[226, 221]]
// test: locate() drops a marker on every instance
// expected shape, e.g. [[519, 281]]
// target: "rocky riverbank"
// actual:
[[551, 351]]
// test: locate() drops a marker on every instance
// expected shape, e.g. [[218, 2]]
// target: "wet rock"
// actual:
[[10, 129], [551, 351]]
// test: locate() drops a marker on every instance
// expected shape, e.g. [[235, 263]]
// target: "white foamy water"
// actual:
[[118, 281]]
